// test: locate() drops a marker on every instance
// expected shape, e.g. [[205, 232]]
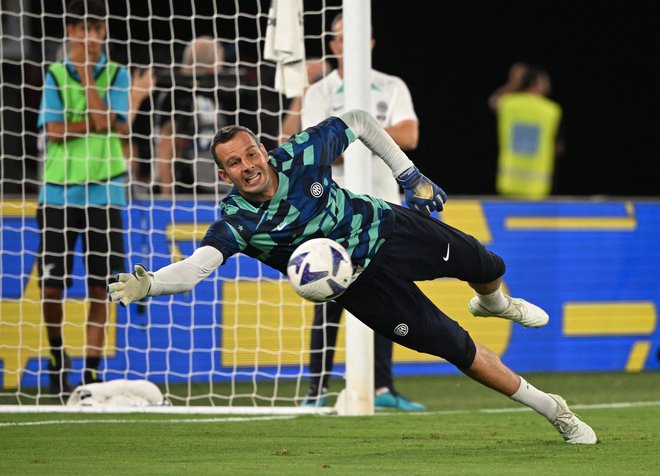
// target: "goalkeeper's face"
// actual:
[[244, 164]]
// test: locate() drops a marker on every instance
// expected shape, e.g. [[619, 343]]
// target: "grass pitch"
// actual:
[[468, 430]]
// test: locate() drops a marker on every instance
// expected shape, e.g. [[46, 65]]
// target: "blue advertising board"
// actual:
[[594, 266]]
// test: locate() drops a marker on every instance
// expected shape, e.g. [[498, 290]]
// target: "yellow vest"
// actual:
[[527, 129]]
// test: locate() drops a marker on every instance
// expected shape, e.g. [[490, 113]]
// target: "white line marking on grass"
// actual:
[[523, 409], [583, 407], [290, 417], [172, 420]]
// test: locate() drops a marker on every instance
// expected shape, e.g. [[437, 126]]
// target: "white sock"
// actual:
[[535, 399], [494, 302]]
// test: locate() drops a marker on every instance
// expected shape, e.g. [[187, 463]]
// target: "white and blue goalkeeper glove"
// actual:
[[420, 193], [130, 287]]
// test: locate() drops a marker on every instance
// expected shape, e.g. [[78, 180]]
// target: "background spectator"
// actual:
[[191, 113], [142, 84], [528, 125]]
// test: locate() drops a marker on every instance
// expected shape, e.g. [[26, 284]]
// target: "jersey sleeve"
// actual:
[[318, 145], [366, 128], [223, 237], [184, 275], [328, 140]]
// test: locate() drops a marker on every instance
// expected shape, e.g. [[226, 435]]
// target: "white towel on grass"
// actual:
[[285, 46], [121, 392]]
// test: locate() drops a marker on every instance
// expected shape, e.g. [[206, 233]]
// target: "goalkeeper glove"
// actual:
[[420, 193], [130, 287]]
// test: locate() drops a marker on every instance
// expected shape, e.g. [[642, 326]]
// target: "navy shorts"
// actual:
[[102, 234], [386, 298]]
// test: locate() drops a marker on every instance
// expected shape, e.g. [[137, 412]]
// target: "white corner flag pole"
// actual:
[[358, 398]]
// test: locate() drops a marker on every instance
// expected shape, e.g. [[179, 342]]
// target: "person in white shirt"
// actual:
[[392, 106]]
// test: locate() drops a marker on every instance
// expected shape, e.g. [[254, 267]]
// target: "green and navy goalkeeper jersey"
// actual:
[[308, 204]]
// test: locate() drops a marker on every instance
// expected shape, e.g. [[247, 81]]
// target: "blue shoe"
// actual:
[[397, 402], [314, 400]]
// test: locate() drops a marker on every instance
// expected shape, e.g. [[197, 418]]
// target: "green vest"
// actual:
[[527, 129], [93, 157]]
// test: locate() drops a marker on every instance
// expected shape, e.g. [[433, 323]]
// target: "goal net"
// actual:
[[240, 339]]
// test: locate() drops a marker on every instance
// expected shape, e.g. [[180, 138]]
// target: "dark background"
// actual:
[[603, 59], [604, 63]]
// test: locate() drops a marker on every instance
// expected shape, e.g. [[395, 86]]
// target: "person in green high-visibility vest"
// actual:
[[528, 125], [84, 114]]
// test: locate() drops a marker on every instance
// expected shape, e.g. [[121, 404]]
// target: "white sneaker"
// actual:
[[519, 310], [571, 428]]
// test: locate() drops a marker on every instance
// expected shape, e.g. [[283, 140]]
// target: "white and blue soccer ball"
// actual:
[[320, 269]]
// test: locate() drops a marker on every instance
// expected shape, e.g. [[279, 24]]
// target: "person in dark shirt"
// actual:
[[190, 113]]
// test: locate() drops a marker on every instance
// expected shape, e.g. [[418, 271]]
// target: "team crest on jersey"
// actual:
[[401, 330], [316, 189]]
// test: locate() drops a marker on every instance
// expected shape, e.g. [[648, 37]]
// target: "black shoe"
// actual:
[[90, 376], [59, 377]]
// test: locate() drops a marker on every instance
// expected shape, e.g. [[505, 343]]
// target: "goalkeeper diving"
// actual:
[[286, 196]]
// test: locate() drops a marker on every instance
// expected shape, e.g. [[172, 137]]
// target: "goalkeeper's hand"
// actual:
[[130, 287], [420, 193]]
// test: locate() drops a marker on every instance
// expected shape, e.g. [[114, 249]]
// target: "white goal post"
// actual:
[[237, 343], [359, 338]]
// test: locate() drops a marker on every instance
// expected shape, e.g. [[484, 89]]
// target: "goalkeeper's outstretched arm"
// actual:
[[174, 278], [421, 194]]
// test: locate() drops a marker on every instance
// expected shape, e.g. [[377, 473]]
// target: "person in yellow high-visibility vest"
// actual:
[[528, 125]]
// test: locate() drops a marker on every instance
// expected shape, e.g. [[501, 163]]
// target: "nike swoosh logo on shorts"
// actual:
[[446, 257]]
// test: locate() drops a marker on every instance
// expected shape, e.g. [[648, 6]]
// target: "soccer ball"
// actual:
[[320, 269]]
